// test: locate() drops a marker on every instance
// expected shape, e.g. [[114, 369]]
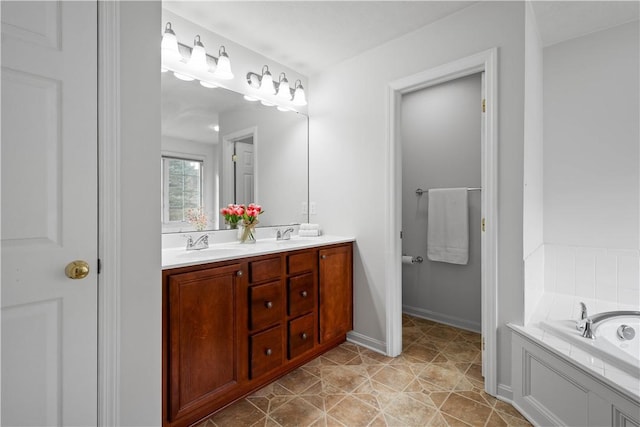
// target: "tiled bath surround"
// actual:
[[610, 278]]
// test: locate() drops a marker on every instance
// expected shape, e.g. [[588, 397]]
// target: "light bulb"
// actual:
[[266, 83], [198, 60], [169, 46], [283, 88], [223, 69], [299, 97]]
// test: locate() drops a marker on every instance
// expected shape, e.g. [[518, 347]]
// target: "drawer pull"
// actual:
[[303, 294], [268, 352], [268, 304], [303, 336], [239, 273], [323, 257]]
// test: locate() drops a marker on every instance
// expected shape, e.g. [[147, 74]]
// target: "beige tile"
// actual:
[[396, 379], [353, 412], [340, 355], [344, 378], [461, 351], [298, 381], [454, 422], [296, 412], [241, 413], [410, 411], [496, 421], [441, 374], [467, 410], [421, 353], [352, 386]]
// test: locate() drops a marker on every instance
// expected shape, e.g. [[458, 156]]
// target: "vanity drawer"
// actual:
[[265, 305], [265, 269], [301, 336], [266, 351], [301, 296], [303, 261]]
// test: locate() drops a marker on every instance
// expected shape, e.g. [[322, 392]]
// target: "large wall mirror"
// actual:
[[218, 148]]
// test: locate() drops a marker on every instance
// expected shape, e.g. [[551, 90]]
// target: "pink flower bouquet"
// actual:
[[197, 218], [247, 217]]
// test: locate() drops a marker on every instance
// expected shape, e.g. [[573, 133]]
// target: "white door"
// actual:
[[244, 171], [49, 212]]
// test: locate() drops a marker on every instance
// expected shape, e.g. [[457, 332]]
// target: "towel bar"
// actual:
[[420, 191]]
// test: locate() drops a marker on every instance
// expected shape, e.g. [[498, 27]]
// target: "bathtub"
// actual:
[[623, 354]]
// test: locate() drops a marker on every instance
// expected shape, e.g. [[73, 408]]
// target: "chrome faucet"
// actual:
[[201, 242], [588, 324], [284, 235]]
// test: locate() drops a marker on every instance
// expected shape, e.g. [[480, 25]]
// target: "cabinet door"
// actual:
[[204, 341], [336, 294]]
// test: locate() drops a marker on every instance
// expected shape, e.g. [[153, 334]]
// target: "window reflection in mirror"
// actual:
[[214, 127]]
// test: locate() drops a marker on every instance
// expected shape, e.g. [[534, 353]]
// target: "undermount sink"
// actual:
[[211, 252]]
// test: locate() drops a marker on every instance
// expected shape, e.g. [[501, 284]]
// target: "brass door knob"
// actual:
[[77, 269]]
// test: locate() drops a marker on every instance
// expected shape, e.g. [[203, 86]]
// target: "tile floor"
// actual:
[[436, 381]]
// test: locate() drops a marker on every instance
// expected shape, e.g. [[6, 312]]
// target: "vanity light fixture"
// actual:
[[199, 62], [262, 88]]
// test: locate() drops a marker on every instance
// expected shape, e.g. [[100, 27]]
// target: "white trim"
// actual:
[[366, 342], [484, 61], [109, 213]]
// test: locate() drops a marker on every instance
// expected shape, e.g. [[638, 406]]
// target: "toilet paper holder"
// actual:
[[414, 259]]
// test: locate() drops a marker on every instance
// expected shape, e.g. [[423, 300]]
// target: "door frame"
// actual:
[[487, 62], [109, 229], [227, 151]]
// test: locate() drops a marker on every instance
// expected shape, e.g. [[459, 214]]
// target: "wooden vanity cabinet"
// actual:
[[231, 327], [336, 292]]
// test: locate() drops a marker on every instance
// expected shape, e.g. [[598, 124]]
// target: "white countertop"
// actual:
[[180, 257]]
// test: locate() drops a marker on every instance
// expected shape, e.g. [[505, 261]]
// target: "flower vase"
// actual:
[[231, 225], [245, 233]]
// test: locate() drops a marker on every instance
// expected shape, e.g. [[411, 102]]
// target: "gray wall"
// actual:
[[348, 110], [441, 144]]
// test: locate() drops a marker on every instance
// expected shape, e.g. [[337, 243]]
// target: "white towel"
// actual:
[[448, 225]]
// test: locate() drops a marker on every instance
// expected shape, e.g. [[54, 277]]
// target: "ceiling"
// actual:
[[309, 36]]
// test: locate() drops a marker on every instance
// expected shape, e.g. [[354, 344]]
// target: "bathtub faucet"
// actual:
[[588, 326]]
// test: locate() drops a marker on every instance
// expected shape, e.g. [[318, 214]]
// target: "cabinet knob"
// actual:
[[239, 273], [303, 294], [268, 304], [303, 336], [268, 352], [323, 257]]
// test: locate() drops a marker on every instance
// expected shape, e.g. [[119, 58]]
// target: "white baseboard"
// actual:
[[505, 393], [367, 342], [442, 318]]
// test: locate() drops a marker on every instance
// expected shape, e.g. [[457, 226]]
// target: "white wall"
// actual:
[[533, 218], [591, 148], [140, 320], [441, 147], [348, 131]]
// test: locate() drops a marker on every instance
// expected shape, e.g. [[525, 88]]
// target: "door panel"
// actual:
[[49, 212]]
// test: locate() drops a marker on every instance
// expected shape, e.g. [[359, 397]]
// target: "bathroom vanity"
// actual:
[[231, 326]]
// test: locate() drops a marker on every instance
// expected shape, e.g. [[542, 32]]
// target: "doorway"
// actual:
[[239, 167], [441, 147], [481, 62]]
